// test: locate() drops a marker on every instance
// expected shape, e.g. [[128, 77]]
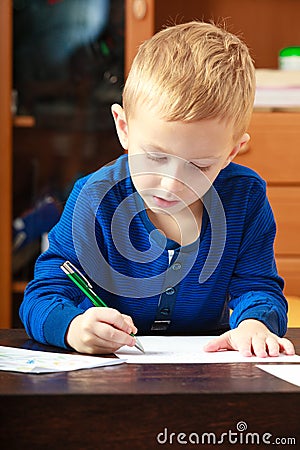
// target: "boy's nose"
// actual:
[[171, 184]]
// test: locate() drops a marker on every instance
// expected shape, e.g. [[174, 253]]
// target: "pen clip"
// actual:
[[69, 268]]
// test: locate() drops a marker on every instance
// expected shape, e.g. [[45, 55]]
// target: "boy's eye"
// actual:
[[156, 157], [203, 169]]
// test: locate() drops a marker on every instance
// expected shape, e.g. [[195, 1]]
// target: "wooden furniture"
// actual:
[[293, 311], [5, 161], [273, 152], [266, 26], [7, 121], [128, 406]]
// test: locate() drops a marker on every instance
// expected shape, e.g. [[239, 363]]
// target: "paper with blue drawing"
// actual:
[[31, 361]]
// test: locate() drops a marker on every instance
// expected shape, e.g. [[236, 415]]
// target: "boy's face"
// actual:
[[173, 164]]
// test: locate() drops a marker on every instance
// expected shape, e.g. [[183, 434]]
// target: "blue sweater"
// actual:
[[166, 288]]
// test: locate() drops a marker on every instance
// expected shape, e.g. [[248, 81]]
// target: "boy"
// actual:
[[172, 235]]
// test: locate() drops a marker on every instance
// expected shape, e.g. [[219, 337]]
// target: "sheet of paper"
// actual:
[[287, 372], [186, 349], [31, 361]]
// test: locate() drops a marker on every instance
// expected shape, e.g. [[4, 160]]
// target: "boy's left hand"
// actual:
[[250, 338]]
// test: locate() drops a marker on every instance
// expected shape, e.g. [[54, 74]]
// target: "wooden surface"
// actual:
[[24, 121], [137, 28], [274, 147], [294, 311], [289, 269], [127, 406], [5, 160], [273, 152], [266, 26], [285, 201]]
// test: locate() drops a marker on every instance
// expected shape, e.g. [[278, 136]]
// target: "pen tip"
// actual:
[[139, 346]]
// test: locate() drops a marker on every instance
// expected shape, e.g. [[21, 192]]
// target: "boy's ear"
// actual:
[[243, 141], [121, 124]]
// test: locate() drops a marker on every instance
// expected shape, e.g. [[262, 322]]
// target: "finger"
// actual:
[[220, 343], [106, 328], [114, 318], [244, 346], [113, 337], [129, 320], [259, 347], [273, 347], [286, 346]]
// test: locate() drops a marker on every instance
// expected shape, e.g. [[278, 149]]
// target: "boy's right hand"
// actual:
[[100, 331]]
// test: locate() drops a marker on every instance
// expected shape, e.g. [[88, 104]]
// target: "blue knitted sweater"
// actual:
[[166, 288]]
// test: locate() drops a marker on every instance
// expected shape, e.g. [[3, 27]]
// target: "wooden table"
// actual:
[[133, 406]]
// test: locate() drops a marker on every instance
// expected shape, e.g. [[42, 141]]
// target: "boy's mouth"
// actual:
[[163, 203]]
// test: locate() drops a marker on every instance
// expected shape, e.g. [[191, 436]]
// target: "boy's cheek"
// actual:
[[199, 186], [138, 165], [143, 184]]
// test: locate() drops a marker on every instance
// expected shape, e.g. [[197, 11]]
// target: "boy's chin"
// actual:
[[171, 211]]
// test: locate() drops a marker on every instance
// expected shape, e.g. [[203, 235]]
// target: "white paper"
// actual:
[[277, 98], [187, 349], [277, 88], [270, 78], [287, 372], [31, 361]]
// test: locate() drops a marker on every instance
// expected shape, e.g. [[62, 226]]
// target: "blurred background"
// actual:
[[68, 68]]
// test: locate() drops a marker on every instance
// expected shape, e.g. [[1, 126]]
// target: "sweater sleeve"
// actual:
[[51, 300], [256, 289]]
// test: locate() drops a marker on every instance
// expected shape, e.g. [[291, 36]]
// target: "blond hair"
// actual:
[[193, 71]]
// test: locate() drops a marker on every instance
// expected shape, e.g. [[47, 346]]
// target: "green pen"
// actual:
[[85, 286]]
